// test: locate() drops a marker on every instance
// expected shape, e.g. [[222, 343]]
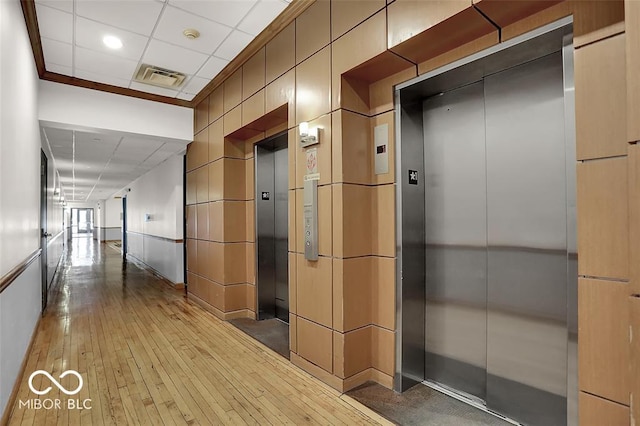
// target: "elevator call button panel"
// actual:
[[310, 220]]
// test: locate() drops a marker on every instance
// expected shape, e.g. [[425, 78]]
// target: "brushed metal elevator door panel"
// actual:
[[281, 233], [527, 236], [265, 232], [456, 240]]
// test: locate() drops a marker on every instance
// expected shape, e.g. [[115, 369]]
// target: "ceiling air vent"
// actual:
[[150, 74]]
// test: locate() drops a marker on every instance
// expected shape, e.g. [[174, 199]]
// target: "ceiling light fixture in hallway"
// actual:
[[112, 42]]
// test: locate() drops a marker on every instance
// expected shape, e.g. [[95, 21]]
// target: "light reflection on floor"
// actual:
[[81, 251]]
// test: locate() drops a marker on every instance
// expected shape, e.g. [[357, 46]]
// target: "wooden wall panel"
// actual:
[[201, 115], [408, 18], [346, 14], [422, 30], [596, 411], [634, 358], [596, 20], [318, 17], [352, 293], [232, 91], [603, 339], [634, 218], [505, 12], [314, 286], [253, 74], [313, 86], [364, 42], [315, 343], [603, 228], [632, 22], [216, 104], [280, 53], [600, 76]]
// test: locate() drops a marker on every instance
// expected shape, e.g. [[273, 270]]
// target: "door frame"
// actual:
[[265, 144], [124, 227], [44, 235], [409, 343]]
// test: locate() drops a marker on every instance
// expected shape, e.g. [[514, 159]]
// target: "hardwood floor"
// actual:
[[149, 356]]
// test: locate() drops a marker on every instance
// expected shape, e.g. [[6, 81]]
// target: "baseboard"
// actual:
[[225, 316], [342, 385], [16, 386], [317, 372], [140, 263]]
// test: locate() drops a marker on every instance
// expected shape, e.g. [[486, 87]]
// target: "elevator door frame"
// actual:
[[274, 143], [410, 288]]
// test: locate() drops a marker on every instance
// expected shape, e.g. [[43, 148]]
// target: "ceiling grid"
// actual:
[[152, 33]]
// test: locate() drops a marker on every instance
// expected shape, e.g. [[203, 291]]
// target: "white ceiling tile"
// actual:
[[104, 139], [56, 52], [174, 21], [228, 12], [60, 69], [153, 89], [212, 67], [139, 16], [101, 78], [100, 63], [233, 45], [261, 16], [175, 58], [55, 24], [89, 34], [195, 85], [185, 96], [156, 158], [64, 5]]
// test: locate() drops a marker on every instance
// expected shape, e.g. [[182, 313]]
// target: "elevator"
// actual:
[[487, 257], [272, 227]]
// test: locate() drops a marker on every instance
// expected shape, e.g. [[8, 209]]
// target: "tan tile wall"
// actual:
[[632, 50], [604, 171], [340, 77]]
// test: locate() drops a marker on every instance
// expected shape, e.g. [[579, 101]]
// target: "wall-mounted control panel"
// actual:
[[310, 220]]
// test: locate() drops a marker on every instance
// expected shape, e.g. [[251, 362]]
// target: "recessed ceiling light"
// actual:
[[112, 42]]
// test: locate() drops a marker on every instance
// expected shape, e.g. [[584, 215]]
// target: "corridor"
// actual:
[[149, 356]]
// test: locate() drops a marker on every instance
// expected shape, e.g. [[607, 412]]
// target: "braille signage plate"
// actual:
[[413, 177], [265, 195]]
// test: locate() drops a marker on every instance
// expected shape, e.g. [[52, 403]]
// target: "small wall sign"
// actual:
[[413, 177]]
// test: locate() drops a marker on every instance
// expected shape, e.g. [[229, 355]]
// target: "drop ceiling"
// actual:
[[71, 32], [93, 166]]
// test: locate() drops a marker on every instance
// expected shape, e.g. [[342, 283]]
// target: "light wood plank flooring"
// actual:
[[149, 356]]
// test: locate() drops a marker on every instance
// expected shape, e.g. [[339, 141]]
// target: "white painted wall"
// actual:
[[20, 306], [19, 142], [78, 107], [19, 193], [112, 213], [159, 193]]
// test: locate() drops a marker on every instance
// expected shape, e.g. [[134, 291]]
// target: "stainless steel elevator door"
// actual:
[[456, 240], [496, 252], [272, 225], [527, 235]]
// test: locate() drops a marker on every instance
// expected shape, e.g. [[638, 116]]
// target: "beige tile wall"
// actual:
[[603, 234], [340, 77]]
